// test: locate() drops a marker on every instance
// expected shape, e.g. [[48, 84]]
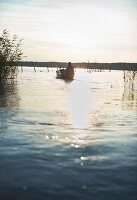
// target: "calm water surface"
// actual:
[[69, 140]]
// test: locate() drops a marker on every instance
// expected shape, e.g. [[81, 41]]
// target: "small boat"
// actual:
[[61, 74]]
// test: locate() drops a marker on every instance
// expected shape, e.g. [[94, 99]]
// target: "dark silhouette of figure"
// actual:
[[67, 74], [69, 71]]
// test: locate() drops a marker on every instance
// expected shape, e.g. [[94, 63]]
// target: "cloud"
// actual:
[[74, 27]]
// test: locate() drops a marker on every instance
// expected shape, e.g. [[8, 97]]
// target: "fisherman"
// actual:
[[69, 71]]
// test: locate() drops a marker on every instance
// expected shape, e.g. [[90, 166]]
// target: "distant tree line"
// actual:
[[108, 66]]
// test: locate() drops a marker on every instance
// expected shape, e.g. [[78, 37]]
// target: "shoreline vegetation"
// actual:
[[10, 55], [84, 65]]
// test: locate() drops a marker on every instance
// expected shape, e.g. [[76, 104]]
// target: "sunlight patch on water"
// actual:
[[93, 158], [81, 103]]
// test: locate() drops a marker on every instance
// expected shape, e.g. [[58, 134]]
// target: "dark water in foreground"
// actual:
[[69, 140]]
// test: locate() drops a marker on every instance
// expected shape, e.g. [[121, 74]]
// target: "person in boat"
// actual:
[[70, 71]]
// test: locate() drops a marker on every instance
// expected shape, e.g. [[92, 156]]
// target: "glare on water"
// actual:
[[80, 102]]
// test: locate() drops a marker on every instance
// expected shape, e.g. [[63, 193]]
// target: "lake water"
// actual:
[[73, 140]]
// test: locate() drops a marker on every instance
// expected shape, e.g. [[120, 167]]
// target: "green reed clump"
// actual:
[[10, 55]]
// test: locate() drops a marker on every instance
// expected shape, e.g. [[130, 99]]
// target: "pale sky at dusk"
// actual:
[[73, 30]]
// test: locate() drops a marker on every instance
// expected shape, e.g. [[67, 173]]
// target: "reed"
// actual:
[[10, 54]]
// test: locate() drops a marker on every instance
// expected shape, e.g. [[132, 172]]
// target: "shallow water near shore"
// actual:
[[69, 139]]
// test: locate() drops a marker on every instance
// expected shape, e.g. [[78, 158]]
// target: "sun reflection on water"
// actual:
[[80, 102]]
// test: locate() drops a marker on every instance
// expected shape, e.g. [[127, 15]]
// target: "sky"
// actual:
[[73, 30]]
